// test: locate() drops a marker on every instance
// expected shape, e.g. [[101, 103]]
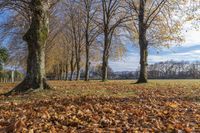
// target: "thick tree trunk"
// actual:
[[105, 58], [105, 68], [143, 45], [105, 61], [36, 38], [107, 43], [143, 65], [87, 64]]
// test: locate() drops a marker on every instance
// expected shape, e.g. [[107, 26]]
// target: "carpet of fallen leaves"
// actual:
[[114, 106]]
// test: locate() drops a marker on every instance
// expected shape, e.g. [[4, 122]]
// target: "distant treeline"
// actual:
[[160, 70], [167, 70], [174, 70]]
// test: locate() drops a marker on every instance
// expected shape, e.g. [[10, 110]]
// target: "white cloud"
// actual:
[[186, 56], [192, 38], [128, 63]]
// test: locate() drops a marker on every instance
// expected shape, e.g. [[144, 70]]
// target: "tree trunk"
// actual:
[[105, 58], [143, 45], [62, 72], [78, 67], [143, 65], [105, 68], [71, 76], [87, 64], [87, 43], [78, 70], [67, 71], [36, 38], [58, 71], [72, 66]]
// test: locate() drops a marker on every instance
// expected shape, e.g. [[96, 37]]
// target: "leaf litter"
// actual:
[[151, 109]]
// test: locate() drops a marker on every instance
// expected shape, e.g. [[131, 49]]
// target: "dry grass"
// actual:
[[117, 88]]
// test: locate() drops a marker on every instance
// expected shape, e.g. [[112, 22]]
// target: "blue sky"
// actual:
[[188, 51]]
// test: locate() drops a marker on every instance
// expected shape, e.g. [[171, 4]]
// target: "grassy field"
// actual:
[[113, 106]]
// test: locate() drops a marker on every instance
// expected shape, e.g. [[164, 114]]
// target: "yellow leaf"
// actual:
[[172, 105]]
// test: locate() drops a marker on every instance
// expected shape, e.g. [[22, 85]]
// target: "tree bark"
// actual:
[[107, 43], [105, 68], [87, 64], [143, 45], [78, 71], [143, 65], [105, 59], [36, 38]]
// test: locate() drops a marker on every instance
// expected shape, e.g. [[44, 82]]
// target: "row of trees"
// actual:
[[71, 31], [160, 70], [174, 70]]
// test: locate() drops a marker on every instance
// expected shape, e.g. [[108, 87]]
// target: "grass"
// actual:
[[117, 88]]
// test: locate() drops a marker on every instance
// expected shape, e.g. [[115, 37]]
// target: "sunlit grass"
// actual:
[[113, 88]]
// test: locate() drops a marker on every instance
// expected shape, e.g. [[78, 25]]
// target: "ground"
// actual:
[[113, 106]]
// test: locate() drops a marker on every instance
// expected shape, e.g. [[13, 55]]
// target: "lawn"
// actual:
[[113, 106]]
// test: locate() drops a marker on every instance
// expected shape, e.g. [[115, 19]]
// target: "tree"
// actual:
[[174, 70], [74, 29], [91, 30], [36, 37], [98, 71], [113, 16], [78, 33], [152, 25]]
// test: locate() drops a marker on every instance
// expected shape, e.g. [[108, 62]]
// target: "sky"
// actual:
[[187, 51]]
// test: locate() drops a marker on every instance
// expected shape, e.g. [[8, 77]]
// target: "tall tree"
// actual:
[[113, 16], [152, 24], [79, 40], [75, 29], [91, 30]]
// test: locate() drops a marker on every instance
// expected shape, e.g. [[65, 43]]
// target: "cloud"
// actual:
[[129, 63], [192, 55], [192, 38]]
